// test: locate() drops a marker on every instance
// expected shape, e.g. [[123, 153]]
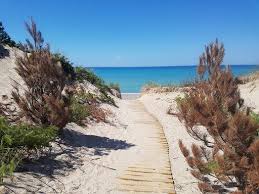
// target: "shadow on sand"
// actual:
[[64, 156], [101, 145]]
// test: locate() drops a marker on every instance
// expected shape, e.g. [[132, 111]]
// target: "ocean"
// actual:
[[132, 79]]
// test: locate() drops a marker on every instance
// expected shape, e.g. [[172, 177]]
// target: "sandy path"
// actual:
[[157, 105], [151, 171]]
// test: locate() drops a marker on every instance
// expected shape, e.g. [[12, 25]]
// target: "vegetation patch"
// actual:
[[83, 106], [78, 109], [115, 86], [229, 134], [67, 65], [5, 38], [21, 141], [255, 117], [83, 73]]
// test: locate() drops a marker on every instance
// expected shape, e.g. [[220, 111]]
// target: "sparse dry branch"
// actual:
[[40, 100]]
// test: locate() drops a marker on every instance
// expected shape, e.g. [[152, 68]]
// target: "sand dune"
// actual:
[[250, 93]]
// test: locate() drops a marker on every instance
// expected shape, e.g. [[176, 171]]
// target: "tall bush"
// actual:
[[213, 113], [41, 98]]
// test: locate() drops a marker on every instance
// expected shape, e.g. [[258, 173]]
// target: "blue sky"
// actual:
[[139, 32]]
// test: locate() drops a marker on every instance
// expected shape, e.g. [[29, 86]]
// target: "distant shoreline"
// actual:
[[132, 79], [130, 96], [195, 65]]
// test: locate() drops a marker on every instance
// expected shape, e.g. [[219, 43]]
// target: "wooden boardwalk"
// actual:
[[152, 171]]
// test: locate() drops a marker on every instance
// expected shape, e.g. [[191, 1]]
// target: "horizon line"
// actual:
[[164, 66]]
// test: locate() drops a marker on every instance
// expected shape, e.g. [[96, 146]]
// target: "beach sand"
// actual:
[[7, 71], [250, 93], [130, 96]]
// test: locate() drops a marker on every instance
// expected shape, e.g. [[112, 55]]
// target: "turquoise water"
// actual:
[[131, 79]]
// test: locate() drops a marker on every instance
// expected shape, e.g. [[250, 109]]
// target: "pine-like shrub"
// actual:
[[255, 117], [17, 141], [66, 65], [86, 105], [8, 162], [115, 86], [83, 73], [214, 114], [41, 98], [5, 38], [26, 136], [78, 110], [104, 97]]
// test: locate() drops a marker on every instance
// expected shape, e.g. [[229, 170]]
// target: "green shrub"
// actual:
[[107, 99], [5, 38], [115, 86], [17, 140], [212, 166], [83, 105], [78, 111], [66, 65], [23, 135], [7, 169], [255, 117], [82, 73]]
